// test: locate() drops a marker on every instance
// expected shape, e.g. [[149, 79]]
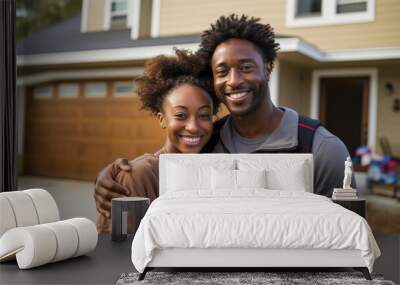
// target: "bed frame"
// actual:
[[248, 258], [242, 259]]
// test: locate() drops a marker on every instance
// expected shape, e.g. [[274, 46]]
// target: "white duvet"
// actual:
[[250, 219]]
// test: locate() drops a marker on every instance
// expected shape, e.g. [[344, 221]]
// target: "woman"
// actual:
[[173, 91]]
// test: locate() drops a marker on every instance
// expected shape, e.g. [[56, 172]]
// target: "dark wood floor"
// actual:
[[389, 262]]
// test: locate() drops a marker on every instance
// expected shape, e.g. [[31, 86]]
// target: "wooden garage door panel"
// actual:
[[35, 128], [124, 148], [95, 107], [150, 146], [94, 150], [95, 128], [52, 127], [36, 145], [42, 107], [149, 128], [124, 128], [67, 128], [126, 108], [36, 165], [52, 148], [70, 108], [89, 169], [76, 137], [67, 168], [68, 149]]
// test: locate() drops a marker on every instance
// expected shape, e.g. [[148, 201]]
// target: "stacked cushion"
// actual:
[[27, 208], [41, 244], [31, 230]]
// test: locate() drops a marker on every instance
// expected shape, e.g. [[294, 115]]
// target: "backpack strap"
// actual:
[[305, 134], [215, 135]]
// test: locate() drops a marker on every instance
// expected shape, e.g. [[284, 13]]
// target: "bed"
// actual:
[[246, 210]]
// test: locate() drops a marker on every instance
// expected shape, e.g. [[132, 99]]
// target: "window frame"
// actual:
[[97, 96], [119, 13], [133, 16], [329, 15], [41, 97], [60, 96], [123, 94]]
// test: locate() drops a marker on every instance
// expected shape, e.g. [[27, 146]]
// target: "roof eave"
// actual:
[[290, 44]]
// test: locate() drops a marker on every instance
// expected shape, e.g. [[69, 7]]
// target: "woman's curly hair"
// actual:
[[238, 27], [164, 73]]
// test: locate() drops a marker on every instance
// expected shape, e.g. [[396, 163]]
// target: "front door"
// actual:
[[344, 109]]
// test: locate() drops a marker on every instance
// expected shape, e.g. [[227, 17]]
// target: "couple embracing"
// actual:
[[232, 66]]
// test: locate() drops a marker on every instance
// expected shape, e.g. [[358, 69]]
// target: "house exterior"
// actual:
[[339, 61]]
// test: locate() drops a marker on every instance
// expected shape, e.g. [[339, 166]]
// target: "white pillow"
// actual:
[[281, 174], [251, 178], [223, 179], [236, 179], [190, 176], [187, 177], [293, 181]]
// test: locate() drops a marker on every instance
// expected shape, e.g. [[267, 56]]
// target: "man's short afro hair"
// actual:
[[164, 73], [239, 27]]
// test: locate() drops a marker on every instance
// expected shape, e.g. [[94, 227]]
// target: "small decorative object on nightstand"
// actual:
[[346, 193], [355, 205], [347, 196], [126, 215]]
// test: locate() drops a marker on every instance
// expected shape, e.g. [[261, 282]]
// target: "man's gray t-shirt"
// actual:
[[328, 150]]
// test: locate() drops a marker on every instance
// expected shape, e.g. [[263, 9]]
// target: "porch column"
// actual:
[[274, 84]]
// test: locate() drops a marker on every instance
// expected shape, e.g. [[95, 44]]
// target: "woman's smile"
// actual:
[[191, 140]]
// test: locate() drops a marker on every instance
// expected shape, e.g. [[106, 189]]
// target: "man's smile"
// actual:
[[238, 97]]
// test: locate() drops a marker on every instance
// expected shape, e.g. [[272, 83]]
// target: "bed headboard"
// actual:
[[295, 169]]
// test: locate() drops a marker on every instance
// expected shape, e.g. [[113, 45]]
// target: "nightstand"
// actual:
[[126, 214], [356, 205]]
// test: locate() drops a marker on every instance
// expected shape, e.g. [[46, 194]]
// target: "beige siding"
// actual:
[[389, 121], [383, 32], [294, 87], [145, 18], [190, 17], [95, 17]]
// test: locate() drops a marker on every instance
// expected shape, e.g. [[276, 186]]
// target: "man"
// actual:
[[240, 52]]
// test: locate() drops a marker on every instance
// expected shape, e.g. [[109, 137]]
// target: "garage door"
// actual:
[[75, 128]]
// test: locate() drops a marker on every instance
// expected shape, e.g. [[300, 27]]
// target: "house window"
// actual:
[[119, 14], [68, 90], [307, 8], [308, 13], [351, 6], [125, 14], [43, 92], [123, 88], [98, 89]]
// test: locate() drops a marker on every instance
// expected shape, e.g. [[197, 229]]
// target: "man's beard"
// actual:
[[258, 96]]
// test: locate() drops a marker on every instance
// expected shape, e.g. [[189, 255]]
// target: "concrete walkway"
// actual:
[[74, 198]]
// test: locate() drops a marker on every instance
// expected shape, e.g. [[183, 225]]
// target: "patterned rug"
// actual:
[[229, 278]]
